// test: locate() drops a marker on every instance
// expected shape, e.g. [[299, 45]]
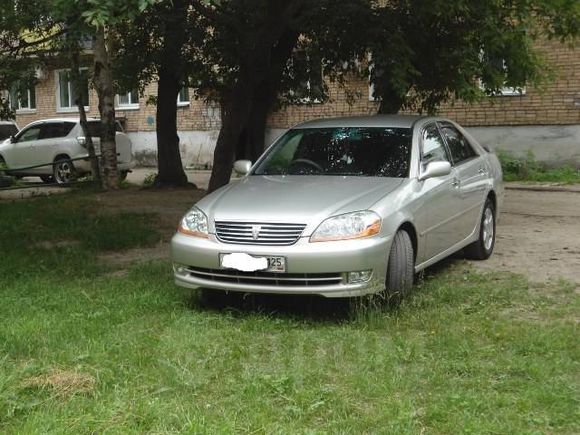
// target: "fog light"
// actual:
[[180, 269], [358, 277]]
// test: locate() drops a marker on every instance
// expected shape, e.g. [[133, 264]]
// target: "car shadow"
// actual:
[[307, 307]]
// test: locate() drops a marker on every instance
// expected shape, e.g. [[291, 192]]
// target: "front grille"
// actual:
[[266, 278], [256, 233]]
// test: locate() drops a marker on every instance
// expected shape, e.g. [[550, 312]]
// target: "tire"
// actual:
[[48, 179], [64, 171], [482, 248], [123, 175], [401, 267]]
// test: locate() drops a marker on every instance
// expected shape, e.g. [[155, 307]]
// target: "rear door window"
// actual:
[[460, 148], [55, 130]]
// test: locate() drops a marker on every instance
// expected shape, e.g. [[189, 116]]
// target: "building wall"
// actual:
[[557, 103]]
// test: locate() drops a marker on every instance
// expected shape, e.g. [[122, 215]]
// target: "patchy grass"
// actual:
[[83, 350], [529, 170]]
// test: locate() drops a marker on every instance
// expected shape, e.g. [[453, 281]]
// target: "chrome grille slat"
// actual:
[[266, 278], [269, 234]]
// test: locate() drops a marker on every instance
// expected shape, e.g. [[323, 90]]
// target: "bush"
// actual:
[[528, 169]]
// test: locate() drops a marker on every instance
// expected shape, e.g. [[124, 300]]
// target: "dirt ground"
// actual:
[[538, 233]]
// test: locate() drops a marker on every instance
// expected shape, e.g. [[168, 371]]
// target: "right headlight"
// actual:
[[194, 223], [357, 225]]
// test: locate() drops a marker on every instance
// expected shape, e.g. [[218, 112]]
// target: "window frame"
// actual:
[[130, 105], [308, 100], [17, 105], [184, 103], [72, 108]]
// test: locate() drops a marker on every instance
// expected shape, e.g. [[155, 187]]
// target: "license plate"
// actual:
[[251, 263]]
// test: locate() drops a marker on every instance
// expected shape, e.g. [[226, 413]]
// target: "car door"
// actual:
[[52, 142], [470, 172], [21, 153], [440, 205]]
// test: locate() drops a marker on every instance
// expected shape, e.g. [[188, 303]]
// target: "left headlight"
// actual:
[[357, 225], [194, 223]]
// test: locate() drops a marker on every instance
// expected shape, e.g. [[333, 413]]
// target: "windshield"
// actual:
[[357, 151], [7, 130]]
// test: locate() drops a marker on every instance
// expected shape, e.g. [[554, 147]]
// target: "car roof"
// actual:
[[63, 119], [395, 121]]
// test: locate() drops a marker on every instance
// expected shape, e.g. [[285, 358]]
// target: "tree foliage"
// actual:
[[426, 53]]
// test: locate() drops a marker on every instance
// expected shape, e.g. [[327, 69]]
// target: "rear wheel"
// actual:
[[401, 267], [123, 175], [482, 248], [64, 171]]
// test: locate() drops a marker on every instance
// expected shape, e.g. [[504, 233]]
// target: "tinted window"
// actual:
[[357, 151], [56, 129], [7, 130], [433, 149], [460, 149], [28, 134]]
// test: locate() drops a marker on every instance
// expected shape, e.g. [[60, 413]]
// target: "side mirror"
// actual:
[[435, 169], [242, 167], [12, 139]]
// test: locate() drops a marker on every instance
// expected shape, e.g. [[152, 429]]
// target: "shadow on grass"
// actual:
[[309, 307]]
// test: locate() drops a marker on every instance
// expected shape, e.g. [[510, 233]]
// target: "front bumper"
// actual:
[[198, 265]]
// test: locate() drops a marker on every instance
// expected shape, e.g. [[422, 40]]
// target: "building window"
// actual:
[[183, 97], [23, 97], [307, 71], [499, 65], [128, 100], [66, 93]]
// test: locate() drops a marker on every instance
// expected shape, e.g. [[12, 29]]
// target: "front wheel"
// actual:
[[482, 248], [64, 171], [401, 267]]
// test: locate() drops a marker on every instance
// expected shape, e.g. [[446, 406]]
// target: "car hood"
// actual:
[[294, 199]]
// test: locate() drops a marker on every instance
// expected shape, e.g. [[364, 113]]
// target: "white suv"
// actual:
[[50, 148]]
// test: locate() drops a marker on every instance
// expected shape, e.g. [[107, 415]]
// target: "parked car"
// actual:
[[344, 207], [7, 129], [49, 149]]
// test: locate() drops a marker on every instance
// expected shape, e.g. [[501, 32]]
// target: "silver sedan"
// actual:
[[344, 207]]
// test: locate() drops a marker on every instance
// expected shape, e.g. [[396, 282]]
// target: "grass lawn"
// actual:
[[86, 348]]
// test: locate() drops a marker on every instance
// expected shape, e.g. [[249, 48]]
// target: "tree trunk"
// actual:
[[170, 80], [235, 113], [266, 95], [76, 78], [391, 102], [257, 69], [103, 79]]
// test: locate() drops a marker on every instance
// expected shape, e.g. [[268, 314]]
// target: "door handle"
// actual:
[[456, 183], [482, 171]]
